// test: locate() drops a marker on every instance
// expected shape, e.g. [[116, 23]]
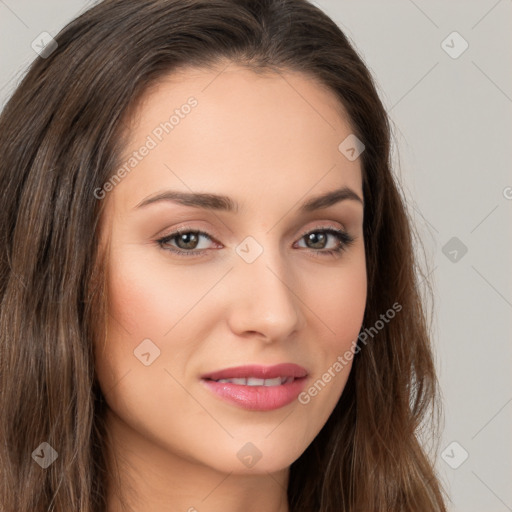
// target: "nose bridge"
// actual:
[[264, 300]]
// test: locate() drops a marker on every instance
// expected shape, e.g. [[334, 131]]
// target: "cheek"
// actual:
[[142, 305], [338, 298], [139, 299], [145, 301], [342, 307], [148, 297]]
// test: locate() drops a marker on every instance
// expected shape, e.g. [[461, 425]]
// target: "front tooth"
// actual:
[[252, 381], [273, 382]]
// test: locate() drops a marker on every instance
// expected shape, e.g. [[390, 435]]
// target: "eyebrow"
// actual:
[[225, 203]]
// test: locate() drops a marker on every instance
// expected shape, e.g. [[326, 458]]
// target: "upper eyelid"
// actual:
[[323, 228], [186, 229]]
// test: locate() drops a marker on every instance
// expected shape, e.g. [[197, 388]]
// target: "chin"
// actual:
[[258, 457]]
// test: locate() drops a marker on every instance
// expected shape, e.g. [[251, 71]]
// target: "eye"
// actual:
[[327, 240], [324, 241], [186, 242]]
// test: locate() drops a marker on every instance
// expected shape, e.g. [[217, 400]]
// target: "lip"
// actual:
[[257, 398], [258, 371]]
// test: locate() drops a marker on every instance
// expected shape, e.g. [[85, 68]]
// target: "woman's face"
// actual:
[[237, 157]]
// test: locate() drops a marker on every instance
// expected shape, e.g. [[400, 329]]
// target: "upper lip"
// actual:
[[258, 371]]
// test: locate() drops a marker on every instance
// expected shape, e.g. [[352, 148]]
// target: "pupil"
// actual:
[[317, 240], [187, 241]]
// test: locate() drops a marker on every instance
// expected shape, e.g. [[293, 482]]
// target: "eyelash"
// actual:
[[345, 241]]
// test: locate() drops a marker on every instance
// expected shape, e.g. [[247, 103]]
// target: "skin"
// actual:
[[269, 142]]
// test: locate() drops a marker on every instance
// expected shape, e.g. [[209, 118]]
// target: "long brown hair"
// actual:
[[61, 139]]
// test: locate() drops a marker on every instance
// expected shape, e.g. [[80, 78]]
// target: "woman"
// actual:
[[208, 283]]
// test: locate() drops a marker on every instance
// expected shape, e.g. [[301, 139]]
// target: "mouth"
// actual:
[[258, 372], [254, 381], [257, 388]]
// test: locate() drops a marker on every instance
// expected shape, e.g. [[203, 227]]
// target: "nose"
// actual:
[[263, 301]]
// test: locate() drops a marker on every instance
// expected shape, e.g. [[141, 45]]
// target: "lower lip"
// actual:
[[257, 398]]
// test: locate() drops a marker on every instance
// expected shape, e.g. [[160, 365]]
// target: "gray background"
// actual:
[[452, 128]]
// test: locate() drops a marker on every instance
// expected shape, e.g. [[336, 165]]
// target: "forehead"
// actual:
[[230, 130]]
